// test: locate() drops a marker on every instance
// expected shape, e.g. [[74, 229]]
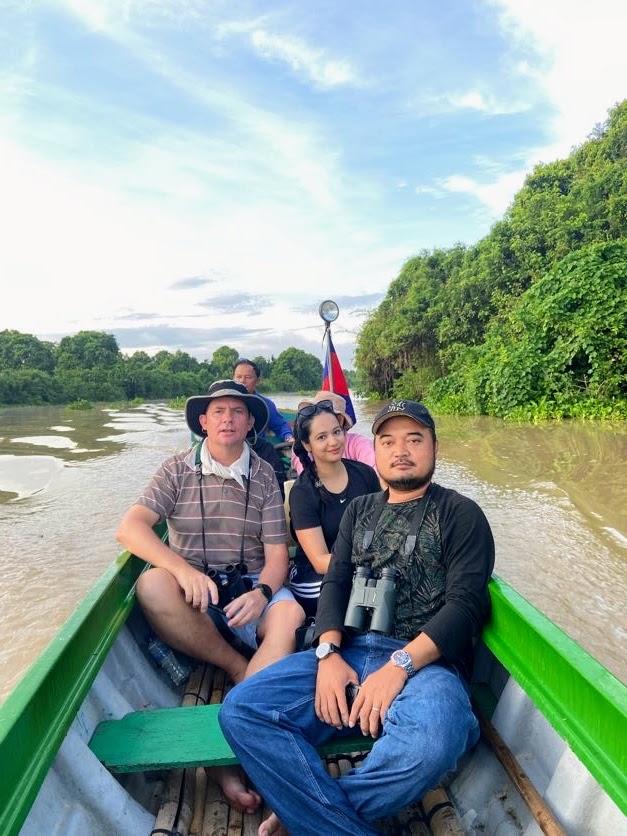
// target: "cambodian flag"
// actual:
[[333, 379]]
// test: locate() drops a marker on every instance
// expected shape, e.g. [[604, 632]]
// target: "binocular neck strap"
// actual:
[[412, 537], [198, 465]]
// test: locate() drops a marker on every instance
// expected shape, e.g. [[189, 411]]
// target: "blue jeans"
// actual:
[[271, 724]]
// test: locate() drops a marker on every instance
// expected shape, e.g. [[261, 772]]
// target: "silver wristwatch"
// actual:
[[325, 649], [402, 659]]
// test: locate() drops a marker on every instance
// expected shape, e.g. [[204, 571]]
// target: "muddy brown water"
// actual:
[[555, 495]]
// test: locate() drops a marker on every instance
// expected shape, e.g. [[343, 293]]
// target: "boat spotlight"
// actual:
[[329, 311]]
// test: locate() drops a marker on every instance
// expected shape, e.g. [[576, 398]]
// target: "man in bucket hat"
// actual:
[[406, 645], [223, 509]]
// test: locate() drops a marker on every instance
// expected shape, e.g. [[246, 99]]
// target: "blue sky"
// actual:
[[186, 174]]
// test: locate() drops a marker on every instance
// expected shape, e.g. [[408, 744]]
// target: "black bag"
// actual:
[[305, 634]]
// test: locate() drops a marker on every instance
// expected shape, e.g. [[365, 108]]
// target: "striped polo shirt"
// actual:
[[174, 494]]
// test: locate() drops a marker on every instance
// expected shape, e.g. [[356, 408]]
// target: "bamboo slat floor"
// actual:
[[193, 804]]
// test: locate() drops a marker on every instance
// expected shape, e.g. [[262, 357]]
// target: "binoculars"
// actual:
[[372, 601], [231, 583]]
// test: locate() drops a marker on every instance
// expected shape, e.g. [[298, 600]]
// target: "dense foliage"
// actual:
[[90, 367], [530, 321]]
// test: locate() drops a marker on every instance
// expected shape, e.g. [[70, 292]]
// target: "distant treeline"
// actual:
[[89, 366], [531, 321]]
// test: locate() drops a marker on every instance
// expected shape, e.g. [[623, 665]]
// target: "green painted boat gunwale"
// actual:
[[580, 698], [37, 714]]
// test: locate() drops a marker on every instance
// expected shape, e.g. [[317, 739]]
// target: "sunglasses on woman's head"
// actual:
[[313, 408]]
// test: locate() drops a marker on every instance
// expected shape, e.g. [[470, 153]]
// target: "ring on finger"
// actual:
[[374, 708]]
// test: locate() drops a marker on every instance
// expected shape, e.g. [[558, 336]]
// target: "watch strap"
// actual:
[[331, 649], [267, 590], [402, 659]]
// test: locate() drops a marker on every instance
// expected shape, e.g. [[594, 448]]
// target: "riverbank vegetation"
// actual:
[[530, 322], [89, 367]]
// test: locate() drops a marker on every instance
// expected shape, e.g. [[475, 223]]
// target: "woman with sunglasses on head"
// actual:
[[320, 495], [356, 446]]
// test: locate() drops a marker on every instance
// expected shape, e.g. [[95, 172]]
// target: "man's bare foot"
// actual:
[[231, 781], [272, 827]]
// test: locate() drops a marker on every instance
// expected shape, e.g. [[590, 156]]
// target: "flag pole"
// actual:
[[329, 312], [333, 378], [327, 334]]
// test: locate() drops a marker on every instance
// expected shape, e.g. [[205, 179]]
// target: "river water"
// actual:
[[555, 495]]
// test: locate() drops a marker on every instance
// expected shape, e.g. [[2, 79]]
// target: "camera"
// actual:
[[231, 583], [372, 601]]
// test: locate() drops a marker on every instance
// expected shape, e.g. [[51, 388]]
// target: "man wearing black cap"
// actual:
[[406, 642], [224, 509]]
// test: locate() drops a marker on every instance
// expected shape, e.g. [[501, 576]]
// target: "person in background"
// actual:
[[223, 508], [412, 668], [248, 373], [356, 446], [320, 495]]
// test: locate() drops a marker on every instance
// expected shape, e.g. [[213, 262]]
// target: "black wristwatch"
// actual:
[[267, 590]]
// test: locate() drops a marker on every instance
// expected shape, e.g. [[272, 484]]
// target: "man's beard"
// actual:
[[407, 484]]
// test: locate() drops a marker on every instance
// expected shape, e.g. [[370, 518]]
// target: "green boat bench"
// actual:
[[180, 737]]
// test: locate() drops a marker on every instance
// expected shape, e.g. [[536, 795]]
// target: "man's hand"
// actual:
[[246, 608], [375, 697], [197, 587], [334, 674]]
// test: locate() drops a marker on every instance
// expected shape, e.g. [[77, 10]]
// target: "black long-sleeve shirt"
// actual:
[[441, 586]]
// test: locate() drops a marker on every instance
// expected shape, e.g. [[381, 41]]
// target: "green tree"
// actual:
[[180, 361], [222, 362], [24, 351], [29, 386], [87, 350], [560, 351], [295, 370], [264, 366], [426, 336]]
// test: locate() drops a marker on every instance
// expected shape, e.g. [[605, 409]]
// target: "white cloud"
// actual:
[[496, 196], [484, 103], [311, 63], [582, 61], [303, 59], [429, 190]]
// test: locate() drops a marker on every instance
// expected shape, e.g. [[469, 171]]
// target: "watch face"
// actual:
[[401, 657], [323, 650]]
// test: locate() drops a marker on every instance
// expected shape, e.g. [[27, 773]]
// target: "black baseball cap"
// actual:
[[412, 409]]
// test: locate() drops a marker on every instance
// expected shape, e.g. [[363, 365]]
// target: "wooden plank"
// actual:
[[175, 738], [162, 738]]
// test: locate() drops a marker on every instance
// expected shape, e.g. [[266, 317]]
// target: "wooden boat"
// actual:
[[553, 753]]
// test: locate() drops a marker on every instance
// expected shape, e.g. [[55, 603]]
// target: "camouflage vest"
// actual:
[[406, 536]]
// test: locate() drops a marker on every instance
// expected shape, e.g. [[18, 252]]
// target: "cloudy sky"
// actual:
[[186, 174]]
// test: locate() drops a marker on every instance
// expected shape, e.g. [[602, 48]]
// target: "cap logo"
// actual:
[[396, 406]]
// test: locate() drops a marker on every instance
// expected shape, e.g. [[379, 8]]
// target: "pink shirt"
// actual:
[[357, 447]]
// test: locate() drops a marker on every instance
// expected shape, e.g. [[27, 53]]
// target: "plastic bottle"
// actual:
[[165, 657]]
